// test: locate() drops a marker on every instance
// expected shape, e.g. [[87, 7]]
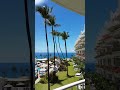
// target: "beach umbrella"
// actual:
[[8, 85], [20, 84], [77, 6]]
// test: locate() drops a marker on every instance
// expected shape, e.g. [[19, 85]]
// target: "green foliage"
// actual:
[[101, 83], [64, 35], [62, 67], [53, 77], [44, 11], [66, 63], [43, 80], [70, 60], [80, 64]]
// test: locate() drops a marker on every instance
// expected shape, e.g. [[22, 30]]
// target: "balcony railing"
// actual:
[[80, 85]]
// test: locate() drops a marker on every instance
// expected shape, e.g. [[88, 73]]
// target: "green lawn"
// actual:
[[63, 80]]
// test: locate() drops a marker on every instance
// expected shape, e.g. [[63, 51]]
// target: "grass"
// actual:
[[63, 79]]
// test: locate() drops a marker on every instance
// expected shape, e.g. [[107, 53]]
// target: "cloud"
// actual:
[[37, 2]]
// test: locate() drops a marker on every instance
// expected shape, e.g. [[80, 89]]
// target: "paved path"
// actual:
[[37, 80]]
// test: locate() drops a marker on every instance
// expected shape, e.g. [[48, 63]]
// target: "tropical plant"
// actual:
[[45, 13], [52, 22], [62, 67], [29, 42], [53, 77], [65, 36], [4, 74], [43, 80], [57, 45], [27, 70], [58, 35], [14, 69], [22, 71], [41, 55]]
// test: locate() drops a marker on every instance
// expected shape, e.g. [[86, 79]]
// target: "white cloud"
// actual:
[[37, 2]]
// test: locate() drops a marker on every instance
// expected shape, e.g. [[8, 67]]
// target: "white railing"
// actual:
[[80, 85]]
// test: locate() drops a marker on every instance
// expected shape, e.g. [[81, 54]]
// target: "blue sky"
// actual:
[[69, 21]]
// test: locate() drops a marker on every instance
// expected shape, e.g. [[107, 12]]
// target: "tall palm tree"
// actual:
[[45, 13], [52, 22], [41, 55], [29, 42], [4, 74], [14, 69], [65, 36], [58, 34], [53, 35], [56, 45]]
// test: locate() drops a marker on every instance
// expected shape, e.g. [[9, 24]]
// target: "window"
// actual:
[[117, 61]]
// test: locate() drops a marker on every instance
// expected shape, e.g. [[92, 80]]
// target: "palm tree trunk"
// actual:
[[54, 46], [60, 47], [47, 54], [66, 56], [29, 42], [57, 48]]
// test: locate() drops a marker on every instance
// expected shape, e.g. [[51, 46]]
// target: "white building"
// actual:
[[80, 46]]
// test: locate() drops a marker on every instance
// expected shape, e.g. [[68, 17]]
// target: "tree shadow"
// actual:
[[59, 82], [70, 76]]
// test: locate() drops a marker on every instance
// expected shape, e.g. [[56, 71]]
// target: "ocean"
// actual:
[[44, 55], [14, 70]]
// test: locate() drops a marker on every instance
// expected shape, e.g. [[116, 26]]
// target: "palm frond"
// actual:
[[57, 25], [65, 35], [44, 11]]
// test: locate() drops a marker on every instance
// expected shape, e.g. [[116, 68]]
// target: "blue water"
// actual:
[[44, 55], [14, 70]]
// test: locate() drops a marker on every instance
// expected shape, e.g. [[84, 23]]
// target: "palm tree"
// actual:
[[22, 71], [14, 69], [52, 22], [4, 74], [45, 13], [53, 35], [29, 42], [65, 36], [41, 55], [56, 45], [58, 35]]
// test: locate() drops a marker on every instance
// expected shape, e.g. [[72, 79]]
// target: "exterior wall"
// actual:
[[80, 47], [108, 49]]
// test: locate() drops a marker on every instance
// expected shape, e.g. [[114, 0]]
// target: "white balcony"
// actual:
[[80, 85]]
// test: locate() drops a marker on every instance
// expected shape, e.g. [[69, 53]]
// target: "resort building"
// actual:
[[80, 46], [108, 49]]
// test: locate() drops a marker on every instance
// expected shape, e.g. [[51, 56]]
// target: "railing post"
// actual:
[[77, 87]]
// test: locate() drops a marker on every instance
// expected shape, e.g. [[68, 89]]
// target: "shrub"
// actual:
[[53, 77], [43, 80], [62, 67]]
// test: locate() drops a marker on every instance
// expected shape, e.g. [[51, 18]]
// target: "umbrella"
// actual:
[[20, 84], [8, 85]]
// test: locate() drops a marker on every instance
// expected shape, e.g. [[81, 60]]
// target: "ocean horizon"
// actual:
[[40, 55]]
